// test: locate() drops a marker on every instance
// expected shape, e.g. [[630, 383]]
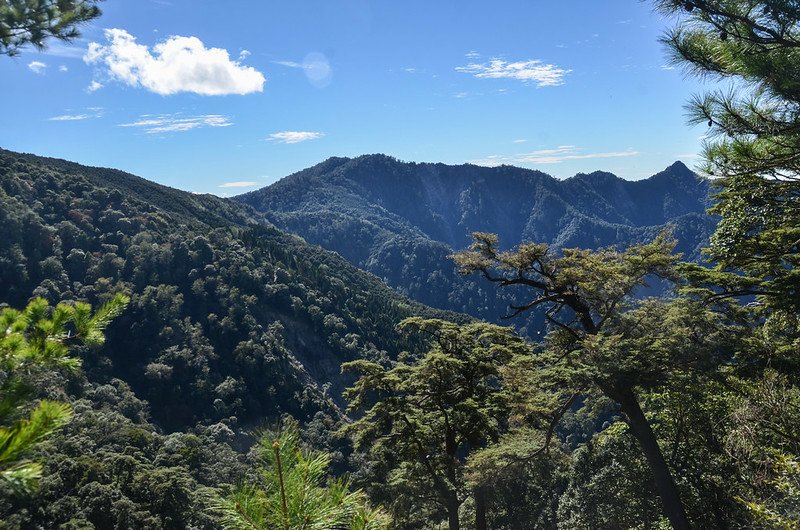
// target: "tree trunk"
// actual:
[[480, 509], [670, 499], [452, 512]]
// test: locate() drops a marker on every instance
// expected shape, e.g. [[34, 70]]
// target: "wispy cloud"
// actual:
[[239, 184], [37, 67], [179, 64], [63, 68], [551, 156], [167, 123], [531, 71], [520, 141], [93, 112], [294, 137], [71, 117]]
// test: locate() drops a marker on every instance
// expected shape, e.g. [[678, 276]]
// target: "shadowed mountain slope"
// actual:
[[401, 220], [229, 317]]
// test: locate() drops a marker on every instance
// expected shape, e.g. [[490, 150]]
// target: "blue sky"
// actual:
[[224, 97]]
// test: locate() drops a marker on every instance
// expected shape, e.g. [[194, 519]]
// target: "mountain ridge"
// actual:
[[400, 220], [221, 301]]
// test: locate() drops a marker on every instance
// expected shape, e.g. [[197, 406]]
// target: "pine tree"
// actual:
[[754, 137], [754, 149], [24, 22], [294, 492], [33, 340]]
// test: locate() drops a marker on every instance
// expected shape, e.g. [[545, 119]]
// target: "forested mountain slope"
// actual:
[[231, 324], [400, 220], [213, 289]]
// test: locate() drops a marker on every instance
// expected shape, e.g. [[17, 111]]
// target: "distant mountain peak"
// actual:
[[678, 165], [677, 171]]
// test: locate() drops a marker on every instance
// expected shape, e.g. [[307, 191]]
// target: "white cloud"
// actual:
[[94, 86], [71, 117], [289, 64], [37, 67], [179, 64], [472, 55], [239, 184], [294, 137], [551, 156], [520, 141], [93, 112], [530, 71], [244, 54], [167, 123], [63, 68]]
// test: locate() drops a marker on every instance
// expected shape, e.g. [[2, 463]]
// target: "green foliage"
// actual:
[[34, 340], [753, 130], [230, 324], [401, 220], [604, 340], [294, 491], [765, 445], [753, 147], [428, 411], [610, 486], [227, 317], [110, 468], [780, 510], [22, 437], [24, 22]]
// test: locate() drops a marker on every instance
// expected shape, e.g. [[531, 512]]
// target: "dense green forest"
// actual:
[[401, 221], [171, 360], [231, 324]]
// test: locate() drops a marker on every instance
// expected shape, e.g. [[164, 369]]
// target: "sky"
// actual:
[[226, 97]]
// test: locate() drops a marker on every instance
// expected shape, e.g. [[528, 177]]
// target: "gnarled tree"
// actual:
[[603, 339]]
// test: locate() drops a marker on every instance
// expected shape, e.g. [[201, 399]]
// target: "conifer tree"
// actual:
[[33, 340], [754, 137], [295, 492], [24, 22], [754, 149], [427, 412], [603, 340]]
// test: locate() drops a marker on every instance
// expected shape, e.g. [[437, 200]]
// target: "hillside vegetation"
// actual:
[[401, 221], [231, 323]]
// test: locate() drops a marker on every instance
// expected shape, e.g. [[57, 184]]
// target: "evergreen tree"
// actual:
[[294, 492], [604, 340], [754, 137], [32, 340], [754, 147], [426, 413], [24, 22]]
